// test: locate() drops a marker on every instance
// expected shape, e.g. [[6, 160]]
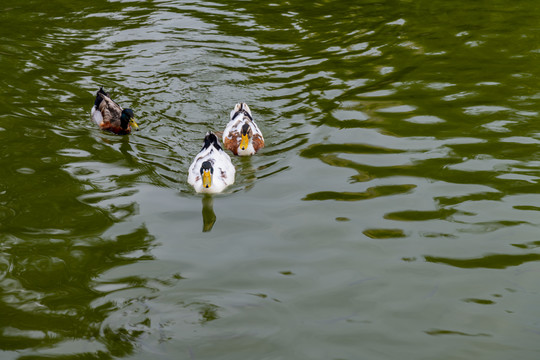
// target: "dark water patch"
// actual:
[[495, 261], [527, 207], [528, 245], [483, 195], [483, 227], [370, 193], [439, 235], [438, 332], [286, 272], [384, 233], [412, 215], [479, 301]]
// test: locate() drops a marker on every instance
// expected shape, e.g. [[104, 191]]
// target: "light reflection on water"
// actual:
[[393, 210]]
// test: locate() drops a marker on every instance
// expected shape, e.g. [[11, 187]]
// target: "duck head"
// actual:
[[247, 133], [128, 118], [206, 174]]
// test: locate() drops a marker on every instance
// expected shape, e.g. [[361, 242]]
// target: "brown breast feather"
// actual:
[[258, 142], [232, 142]]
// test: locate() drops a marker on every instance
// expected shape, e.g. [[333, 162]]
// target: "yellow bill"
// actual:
[[245, 142], [133, 124], [206, 179]]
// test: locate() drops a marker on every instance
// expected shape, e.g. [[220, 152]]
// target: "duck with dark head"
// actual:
[[112, 117]]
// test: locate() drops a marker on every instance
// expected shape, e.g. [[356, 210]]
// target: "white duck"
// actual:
[[242, 136], [212, 170]]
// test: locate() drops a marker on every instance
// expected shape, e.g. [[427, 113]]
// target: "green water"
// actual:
[[393, 214]]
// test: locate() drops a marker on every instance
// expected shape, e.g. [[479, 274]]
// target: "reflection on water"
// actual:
[[48, 290], [209, 217], [495, 261], [401, 147], [246, 175]]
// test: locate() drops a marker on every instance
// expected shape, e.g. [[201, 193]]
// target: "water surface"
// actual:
[[392, 214]]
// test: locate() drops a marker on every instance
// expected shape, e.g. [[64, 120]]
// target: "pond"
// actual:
[[393, 213]]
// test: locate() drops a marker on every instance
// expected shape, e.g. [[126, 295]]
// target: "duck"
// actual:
[[212, 170], [242, 135], [112, 117]]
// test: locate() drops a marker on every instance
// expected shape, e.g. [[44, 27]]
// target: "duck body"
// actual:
[[242, 135], [212, 170], [110, 116]]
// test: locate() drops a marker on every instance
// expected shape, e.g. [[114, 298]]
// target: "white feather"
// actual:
[[96, 115], [235, 126], [223, 175], [250, 150]]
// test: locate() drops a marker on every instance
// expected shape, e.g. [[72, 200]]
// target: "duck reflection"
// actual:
[[248, 172], [126, 148], [121, 144], [209, 217], [244, 167]]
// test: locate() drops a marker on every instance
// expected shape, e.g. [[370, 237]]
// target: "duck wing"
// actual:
[[224, 167], [232, 141], [111, 111], [231, 135], [256, 130], [258, 141]]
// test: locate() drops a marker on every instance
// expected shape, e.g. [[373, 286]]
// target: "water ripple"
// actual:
[[401, 141]]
